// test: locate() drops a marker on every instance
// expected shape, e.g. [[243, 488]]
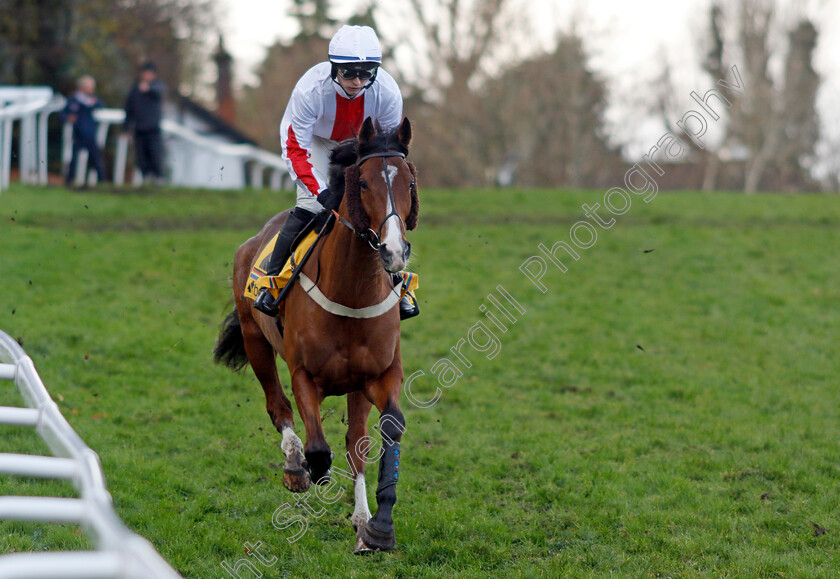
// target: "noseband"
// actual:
[[374, 238]]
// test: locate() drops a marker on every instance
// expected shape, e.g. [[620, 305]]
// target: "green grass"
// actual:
[[669, 413]]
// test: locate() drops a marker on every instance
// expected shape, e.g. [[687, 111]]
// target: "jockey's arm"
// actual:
[[296, 131]]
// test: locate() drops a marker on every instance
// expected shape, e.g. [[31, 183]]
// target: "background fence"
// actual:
[[196, 160]]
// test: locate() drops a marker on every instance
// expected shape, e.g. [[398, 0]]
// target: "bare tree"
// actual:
[[456, 43], [36, 42], [799, 124], [778, 123], [53, 41], [715, 67], [829, 147], [551, 110], [756, 124], [263, 105], [459, 36]]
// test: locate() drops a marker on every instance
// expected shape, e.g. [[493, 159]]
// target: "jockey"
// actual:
[[328, 105]]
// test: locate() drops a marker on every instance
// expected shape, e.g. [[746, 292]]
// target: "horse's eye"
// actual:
[[412, 183], [363, 184]]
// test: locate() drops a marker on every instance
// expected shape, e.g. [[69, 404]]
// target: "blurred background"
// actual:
[[503, 92]]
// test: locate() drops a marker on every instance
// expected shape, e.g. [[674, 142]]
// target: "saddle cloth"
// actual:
[[258, 279]]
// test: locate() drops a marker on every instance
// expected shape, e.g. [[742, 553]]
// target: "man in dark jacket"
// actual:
[[143, 112], [79, 111]]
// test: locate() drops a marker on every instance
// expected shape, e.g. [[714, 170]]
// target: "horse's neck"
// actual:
[[351, 271]]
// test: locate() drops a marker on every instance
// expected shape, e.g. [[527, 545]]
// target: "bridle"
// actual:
[[371, 237]]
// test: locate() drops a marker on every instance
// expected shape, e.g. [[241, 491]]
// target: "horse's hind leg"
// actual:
[[263, 361], [358, 445]]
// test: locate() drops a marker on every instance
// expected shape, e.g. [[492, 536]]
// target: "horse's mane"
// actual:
[[349, 151]]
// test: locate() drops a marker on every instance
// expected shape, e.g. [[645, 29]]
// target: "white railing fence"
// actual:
[[195, 160], [121, 553], [30, 107]]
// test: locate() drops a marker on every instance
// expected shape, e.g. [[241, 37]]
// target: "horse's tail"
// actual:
[[230, 348]]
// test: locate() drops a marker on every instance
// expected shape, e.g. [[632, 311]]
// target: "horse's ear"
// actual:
[[368, 131], [405, 132], [414, 212]]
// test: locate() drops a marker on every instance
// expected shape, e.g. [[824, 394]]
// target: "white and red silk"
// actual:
[[316, 108]]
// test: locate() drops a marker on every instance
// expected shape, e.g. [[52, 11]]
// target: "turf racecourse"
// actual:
[[655, 413]]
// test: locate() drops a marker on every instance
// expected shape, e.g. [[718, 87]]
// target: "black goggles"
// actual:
[[351, 73]]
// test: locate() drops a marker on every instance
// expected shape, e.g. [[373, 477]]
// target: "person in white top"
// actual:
[[328, 105]]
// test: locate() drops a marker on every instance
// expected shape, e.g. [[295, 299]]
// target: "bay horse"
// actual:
[[355, 351]]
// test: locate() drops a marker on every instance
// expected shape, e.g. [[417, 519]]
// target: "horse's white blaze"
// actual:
[[291, 442], [392, 172], [393, 233], [361, 512]]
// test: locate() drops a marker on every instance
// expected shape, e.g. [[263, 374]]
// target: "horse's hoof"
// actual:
[[325, 478], [318, 463], [370, 539], [361, 548], [297, 479]]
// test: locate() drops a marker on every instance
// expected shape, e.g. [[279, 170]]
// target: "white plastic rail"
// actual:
[[120, 554], [31, 108], [199, 158]]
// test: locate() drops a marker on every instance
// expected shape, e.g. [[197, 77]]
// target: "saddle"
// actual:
[[258, 279]]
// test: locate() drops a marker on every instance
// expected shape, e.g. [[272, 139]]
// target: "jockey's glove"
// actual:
[[328, 199]]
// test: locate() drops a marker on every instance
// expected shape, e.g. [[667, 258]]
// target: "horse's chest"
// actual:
[[366, 359], [346, 361]]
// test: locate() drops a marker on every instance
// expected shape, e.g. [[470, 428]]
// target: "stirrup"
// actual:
[[265, 303], [409, 306]]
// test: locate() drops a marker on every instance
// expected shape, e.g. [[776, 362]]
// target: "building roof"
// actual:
[[219, 125]]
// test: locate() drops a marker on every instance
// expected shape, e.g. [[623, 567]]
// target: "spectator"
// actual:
[[79, 112], [143, 112]]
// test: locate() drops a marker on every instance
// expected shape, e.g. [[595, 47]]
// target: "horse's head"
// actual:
[[381, 193]]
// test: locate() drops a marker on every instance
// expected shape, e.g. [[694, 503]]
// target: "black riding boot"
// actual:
[[408, 304], [297, 220]]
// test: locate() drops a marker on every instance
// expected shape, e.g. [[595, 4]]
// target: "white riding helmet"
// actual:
[[354, 44], [355, 52]]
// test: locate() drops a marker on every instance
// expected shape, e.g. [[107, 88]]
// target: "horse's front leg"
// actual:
[[378, 534], [358, 446], [316, 449]]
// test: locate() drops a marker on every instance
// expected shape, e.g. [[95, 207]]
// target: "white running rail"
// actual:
[[31, 107], [121, 554], [195, 160]]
